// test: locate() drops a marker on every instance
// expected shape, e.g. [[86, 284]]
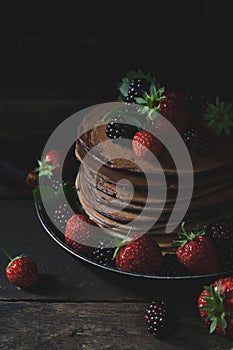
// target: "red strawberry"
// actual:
[[197, 252], [144, 143], [170, 104], [215, 305], [173, 108], [142, 255], [49, 164], [78, 233], [22, 271], [30, 182], [53, 157]]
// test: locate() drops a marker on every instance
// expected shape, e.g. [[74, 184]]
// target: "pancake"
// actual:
[[114, 189]]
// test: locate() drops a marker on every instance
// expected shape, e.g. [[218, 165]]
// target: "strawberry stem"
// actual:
[[5, 253]]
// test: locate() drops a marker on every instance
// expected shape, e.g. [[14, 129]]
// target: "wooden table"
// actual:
[[76, 305]]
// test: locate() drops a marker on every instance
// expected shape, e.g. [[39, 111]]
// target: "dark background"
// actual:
[[55, 60], [84, 51]]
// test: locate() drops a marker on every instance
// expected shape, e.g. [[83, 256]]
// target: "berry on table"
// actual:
[[160, 319], [215, 304], [30, 182], [21, 271], [199, 141]]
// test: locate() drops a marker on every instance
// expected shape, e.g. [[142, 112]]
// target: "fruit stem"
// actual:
[[5, 253]]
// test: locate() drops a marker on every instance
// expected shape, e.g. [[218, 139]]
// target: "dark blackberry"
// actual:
[[160, 319], [171, 266], [220, 230], [61, 216], [103, 253], [222, 233], [136, 88], [56, 184], [116, 130], [198, 140]]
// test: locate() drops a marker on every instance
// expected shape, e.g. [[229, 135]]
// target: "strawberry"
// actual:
[[218, 118], [78, 234], [21, 271], [215, 305], [173, 108], [142, 255], [53, 157], [30, 182], [145, 145], [49, 164], [170, 104], [197, 252]]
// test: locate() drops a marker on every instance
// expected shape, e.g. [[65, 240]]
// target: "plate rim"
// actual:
[[47, 227]]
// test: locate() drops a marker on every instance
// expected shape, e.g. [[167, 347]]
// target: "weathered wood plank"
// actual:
[[95, 326]]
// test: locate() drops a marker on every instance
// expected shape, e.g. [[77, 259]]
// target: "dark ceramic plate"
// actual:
[[59, 238]]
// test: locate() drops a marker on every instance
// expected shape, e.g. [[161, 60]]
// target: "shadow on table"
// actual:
[[47, 285]]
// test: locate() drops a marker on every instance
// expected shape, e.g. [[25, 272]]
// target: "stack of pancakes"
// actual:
[[115, 189]]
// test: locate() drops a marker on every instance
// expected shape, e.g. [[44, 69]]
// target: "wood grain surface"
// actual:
[[92, 326]]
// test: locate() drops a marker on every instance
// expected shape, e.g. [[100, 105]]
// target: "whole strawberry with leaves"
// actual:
[[49, 163], [215, 305], [218, 118], [197, 252], [140, 255], [21, 271], [170, 104]]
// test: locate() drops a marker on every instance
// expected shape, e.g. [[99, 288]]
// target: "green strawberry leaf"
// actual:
[[222, 322], [140, 100], [219, 116], [213, 325]]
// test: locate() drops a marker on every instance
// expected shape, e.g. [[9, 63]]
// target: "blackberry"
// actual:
[[222, 233], [160, 319], [116, 130], [220, 230], [103, 253], [56, 184], [198, 140], [136, 88], [171, 266], [61, 216]]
